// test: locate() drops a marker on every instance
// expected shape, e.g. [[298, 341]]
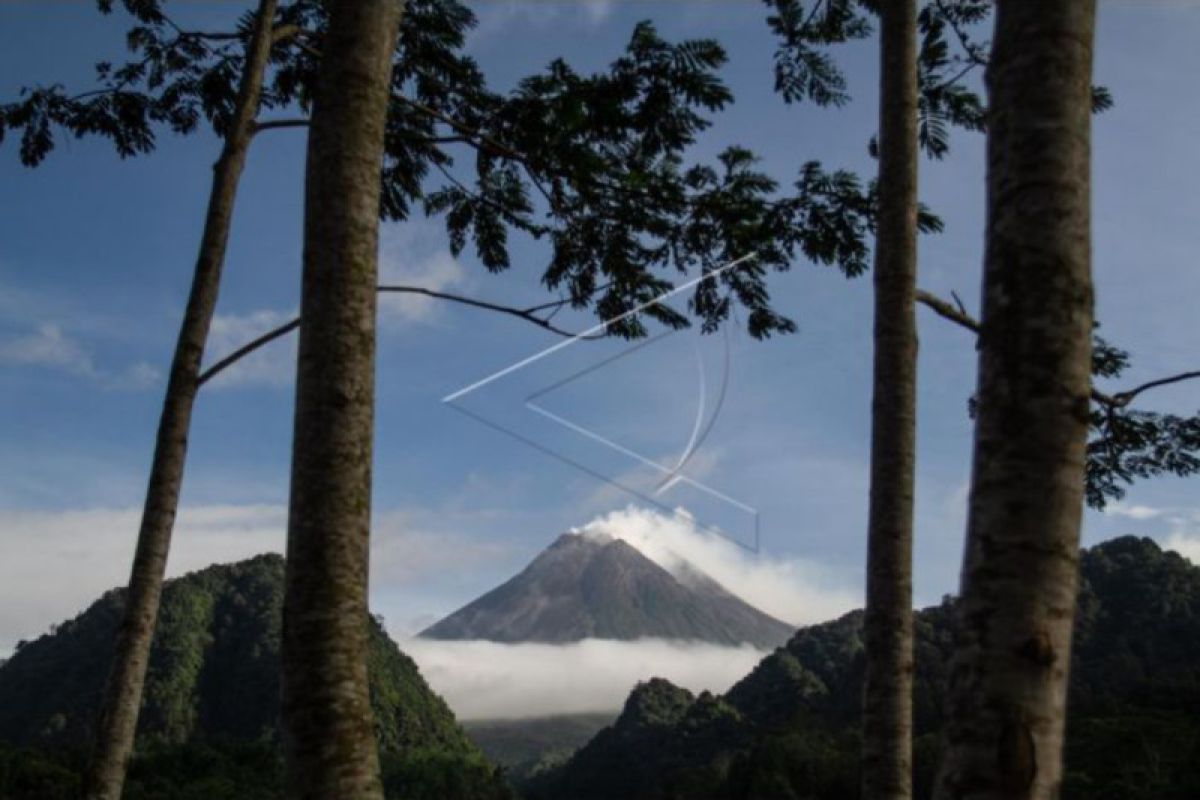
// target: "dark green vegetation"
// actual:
[[530, 746], [789, 729], [209, 721]]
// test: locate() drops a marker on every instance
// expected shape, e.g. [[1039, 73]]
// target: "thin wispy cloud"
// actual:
[[274, 364], [89, 551], [497, 18], [1134, 511], [410, 254], [416, 254], [49, 347]]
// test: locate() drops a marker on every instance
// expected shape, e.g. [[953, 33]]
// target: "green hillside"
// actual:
[[210, 715], [788, 730]]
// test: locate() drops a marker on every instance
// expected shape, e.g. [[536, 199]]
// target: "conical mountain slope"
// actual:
[[588, 586]]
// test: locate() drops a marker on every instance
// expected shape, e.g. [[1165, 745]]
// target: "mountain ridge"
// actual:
[[210, 709], [788, 729]]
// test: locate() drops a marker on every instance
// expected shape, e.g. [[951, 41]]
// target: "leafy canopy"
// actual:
[[593, 165]]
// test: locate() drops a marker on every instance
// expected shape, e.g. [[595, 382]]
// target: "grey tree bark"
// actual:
[[328, 730], [888, 624], [122, 698], [1008, 682]]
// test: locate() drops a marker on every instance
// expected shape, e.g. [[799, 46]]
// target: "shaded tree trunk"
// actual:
[[329, 735], [123, 692], [887, 627], [1008, 682]]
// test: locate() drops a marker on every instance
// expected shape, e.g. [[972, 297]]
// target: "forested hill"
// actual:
[[213, 681], [788, 730]]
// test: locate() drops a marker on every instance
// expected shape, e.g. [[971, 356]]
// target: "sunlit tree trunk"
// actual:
[[887, 698], [1008, 684], [329, 734], [122, 698]]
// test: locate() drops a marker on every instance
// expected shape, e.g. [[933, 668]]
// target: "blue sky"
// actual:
[[96, 253]]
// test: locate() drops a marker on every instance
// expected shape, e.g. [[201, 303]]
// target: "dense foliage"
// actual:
[[209, 720], [595, 165], [789, 729]]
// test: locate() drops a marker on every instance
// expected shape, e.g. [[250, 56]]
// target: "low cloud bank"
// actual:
[[482, 680], [791, 589]]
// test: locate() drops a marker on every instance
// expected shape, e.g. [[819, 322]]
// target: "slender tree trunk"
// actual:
[[1008, 683], [887, 697], [123, 692], [329, 733]]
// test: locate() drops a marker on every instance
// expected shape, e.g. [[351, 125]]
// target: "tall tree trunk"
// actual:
[[1008, 682], [123, 692], [329, 733], [887, 697]]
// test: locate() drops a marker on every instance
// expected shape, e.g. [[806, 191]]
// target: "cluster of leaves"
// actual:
[[789, 729], [592, 164], [950, 52], [803, 70], [1128, 444], [174, 79]]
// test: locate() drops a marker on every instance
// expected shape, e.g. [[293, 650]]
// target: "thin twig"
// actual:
[[511, 311], [291, 325], [280, 123], [245, 350], [944, 309], [1109, 401], [1121, 399]]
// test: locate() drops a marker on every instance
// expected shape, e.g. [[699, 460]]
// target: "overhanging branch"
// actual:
[[529, 315], [1111, 402]]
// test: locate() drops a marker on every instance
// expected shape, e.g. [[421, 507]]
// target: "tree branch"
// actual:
[[1121, 399], [526, 314], [280, 123], [1111, 402], [944, 309], [245, 350], [284, 32]]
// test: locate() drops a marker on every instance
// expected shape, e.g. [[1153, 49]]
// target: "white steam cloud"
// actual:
[[483, 680], [487, 680], [790, 589]]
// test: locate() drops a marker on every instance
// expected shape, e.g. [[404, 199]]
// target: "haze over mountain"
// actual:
[[592, 586]]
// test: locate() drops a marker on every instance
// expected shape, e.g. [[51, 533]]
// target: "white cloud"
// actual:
[[48, 346], [788, 588], [271, 365], [57, 562], [407, 546], [498, 17], [141, 375], [1187, 545], [1184, 536], [1133, 511], [487, 679], [409, 255], [414, 254]]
